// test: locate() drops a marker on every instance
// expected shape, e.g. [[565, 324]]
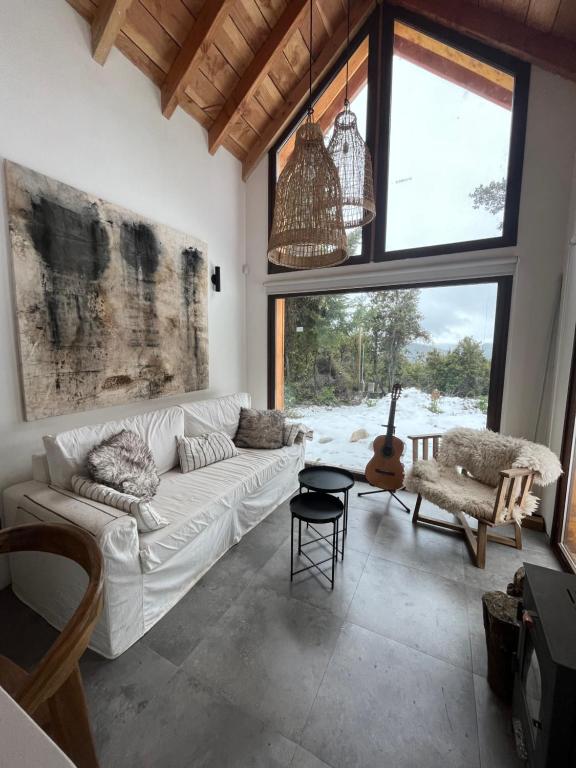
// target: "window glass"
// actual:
[[450, 123], [339, 355]]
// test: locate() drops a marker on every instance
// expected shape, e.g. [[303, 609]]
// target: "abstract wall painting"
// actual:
[[111, 307]]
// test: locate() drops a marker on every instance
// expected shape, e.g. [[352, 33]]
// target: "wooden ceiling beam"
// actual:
[[273, 46], [106, 26], [543, 49], [188, 61], [360, 10]]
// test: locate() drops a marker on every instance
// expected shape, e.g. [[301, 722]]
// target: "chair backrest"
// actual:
[[484, 454], [78, 545]]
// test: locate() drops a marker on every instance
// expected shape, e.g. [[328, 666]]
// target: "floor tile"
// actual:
[[310, 587], [495, 734], [425, 612], [502, 562], [383, 704], [267, 655], [25, 637], [187, 724], [119, 689], [305, 759], [433, 551], [180, 631]]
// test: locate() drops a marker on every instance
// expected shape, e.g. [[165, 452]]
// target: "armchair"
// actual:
[[481, 474]]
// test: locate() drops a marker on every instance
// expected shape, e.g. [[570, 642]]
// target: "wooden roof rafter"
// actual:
[[273, 46], [189, 59], [108, 21]]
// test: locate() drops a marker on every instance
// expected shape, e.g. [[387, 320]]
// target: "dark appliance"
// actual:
[[544, 706]]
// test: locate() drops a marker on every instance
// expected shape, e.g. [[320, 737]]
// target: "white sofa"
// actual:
[[208, 510]]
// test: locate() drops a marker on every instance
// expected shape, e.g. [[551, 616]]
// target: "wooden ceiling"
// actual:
[[240, 67]]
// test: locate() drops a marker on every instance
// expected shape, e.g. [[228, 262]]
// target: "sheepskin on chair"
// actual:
[[483, 454]]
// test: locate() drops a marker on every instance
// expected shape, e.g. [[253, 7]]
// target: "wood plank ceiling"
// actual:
[[239, 67]]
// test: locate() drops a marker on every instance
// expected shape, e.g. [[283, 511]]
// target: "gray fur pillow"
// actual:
[[124, 462], [260, 429]]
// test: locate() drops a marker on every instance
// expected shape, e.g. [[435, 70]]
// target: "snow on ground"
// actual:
[[333, 426]]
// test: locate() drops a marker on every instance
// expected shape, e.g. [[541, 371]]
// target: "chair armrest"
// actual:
[[516, 472], [513, 489], [429, 443]]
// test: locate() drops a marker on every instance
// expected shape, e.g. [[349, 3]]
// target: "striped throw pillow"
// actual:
[[197, 452], [147, 519]]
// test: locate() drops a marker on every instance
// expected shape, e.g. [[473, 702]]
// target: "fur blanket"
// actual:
[[483, 454]]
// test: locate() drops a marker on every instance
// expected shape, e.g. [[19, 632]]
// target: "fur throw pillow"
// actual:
[[260, 429], [124, 462]]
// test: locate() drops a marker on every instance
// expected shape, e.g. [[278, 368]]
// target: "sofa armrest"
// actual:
[[54, 586], [34, 501]]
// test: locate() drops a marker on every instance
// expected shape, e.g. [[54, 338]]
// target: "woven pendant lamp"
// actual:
[[352, 158], [307, 225]]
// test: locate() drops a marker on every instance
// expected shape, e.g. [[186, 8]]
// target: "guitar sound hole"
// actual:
[[388, 452]]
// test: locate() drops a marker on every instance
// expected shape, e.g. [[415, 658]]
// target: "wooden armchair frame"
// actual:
[[513, 489], [53, 693]]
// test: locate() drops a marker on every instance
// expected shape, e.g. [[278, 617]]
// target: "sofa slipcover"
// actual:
[[146, 574]]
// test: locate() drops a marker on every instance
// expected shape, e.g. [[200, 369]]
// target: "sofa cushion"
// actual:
[[221, 414], [190, 502], [124, 462], [260, 429], [198, 452], [67, 451]]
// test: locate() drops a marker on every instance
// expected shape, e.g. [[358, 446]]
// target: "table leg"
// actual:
[[334, 549], [292, 549], [299, 536]]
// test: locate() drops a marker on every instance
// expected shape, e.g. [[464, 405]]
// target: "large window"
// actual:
[[336, 357], [445, 119]]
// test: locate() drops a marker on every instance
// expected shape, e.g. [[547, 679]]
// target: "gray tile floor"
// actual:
[[249, 671]]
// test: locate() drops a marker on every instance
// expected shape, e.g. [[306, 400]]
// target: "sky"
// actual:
[[444, 141]]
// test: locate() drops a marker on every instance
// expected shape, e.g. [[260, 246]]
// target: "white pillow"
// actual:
[[197, 452], [147, 519]]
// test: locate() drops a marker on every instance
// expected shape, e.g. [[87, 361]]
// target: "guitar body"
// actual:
[[385, 469]]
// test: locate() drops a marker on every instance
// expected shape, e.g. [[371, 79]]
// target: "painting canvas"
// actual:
[[111, 307]]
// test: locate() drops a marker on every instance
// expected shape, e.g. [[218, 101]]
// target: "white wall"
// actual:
[[539, 256], [101, 130]]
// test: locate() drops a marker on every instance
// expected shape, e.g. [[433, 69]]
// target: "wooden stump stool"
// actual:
[[502, 632]]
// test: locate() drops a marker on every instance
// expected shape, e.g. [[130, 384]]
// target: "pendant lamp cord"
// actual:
[[346, 102], [310, 107]]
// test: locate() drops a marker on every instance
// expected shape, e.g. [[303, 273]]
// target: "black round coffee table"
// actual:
[[316, 509], [328, 480]]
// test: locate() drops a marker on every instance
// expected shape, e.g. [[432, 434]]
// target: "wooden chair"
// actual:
[[512, 494], [52, 693]]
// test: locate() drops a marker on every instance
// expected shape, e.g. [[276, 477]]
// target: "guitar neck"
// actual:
[[391, 418]]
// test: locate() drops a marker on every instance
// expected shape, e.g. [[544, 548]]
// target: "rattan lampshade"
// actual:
[[307, 226], [353, 161]]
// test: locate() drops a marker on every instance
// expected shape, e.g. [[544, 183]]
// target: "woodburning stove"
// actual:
[[544, 706]]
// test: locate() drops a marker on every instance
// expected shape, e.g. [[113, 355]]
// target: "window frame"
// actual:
[[380, 29], [499, 340], [370, 30]]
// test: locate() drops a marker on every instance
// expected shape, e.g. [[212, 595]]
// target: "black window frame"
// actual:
[[499, 341], [380, 28]]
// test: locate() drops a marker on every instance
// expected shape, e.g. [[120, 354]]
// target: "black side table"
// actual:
[[317, 509], [328, 480]]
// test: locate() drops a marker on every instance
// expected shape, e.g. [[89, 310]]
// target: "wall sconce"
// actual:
[[215, 278]]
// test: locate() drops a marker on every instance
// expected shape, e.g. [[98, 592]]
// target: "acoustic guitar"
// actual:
[[385, 469]]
